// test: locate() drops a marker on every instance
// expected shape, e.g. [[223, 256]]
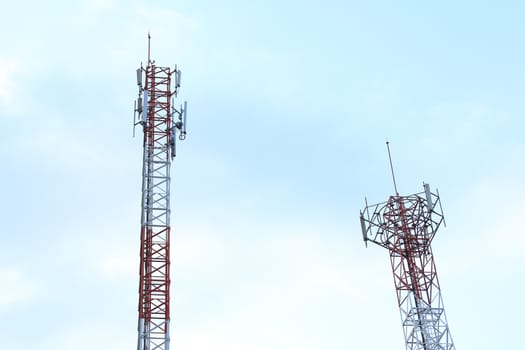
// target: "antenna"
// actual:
[[139, 77], [183, 131], [428, 196], [173, 135], [145, 110], [177, 78], [441, 208], [134, 116], [391, 167], [363, 227]]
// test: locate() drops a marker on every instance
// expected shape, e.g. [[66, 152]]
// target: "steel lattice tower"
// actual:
[[161, 123], [405, 226]]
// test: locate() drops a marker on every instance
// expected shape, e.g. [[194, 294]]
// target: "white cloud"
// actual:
[[493, 210], [9, 69], [66, 145], [97, 6], [301, 280], [86, 336], [118, 264], [240, 332], [193, 250], [484, 239], [169, 19], [64, 148], [19, 287]]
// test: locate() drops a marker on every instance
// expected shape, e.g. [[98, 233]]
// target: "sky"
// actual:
[[289, 107]]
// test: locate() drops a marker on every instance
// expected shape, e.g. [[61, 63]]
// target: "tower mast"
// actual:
[[405, 226], [161, 123]]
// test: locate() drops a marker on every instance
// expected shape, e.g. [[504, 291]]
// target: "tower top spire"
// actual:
[[391, 167], [149, 46]]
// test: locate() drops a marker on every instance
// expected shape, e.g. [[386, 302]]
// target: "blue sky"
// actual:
[[290, 104]]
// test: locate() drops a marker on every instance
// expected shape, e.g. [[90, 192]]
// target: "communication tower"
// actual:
[[162, 124], [405, 226]]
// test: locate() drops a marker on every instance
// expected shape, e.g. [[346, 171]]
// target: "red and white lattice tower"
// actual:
[[405, 226], [162, 124]]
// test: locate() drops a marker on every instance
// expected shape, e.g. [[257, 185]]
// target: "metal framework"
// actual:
[[405, 226], [155, 112]]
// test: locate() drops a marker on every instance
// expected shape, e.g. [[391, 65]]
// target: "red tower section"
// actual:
[[161, 123]]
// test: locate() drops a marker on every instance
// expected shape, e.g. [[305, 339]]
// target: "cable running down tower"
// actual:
[[162, 124], [405, 226]]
